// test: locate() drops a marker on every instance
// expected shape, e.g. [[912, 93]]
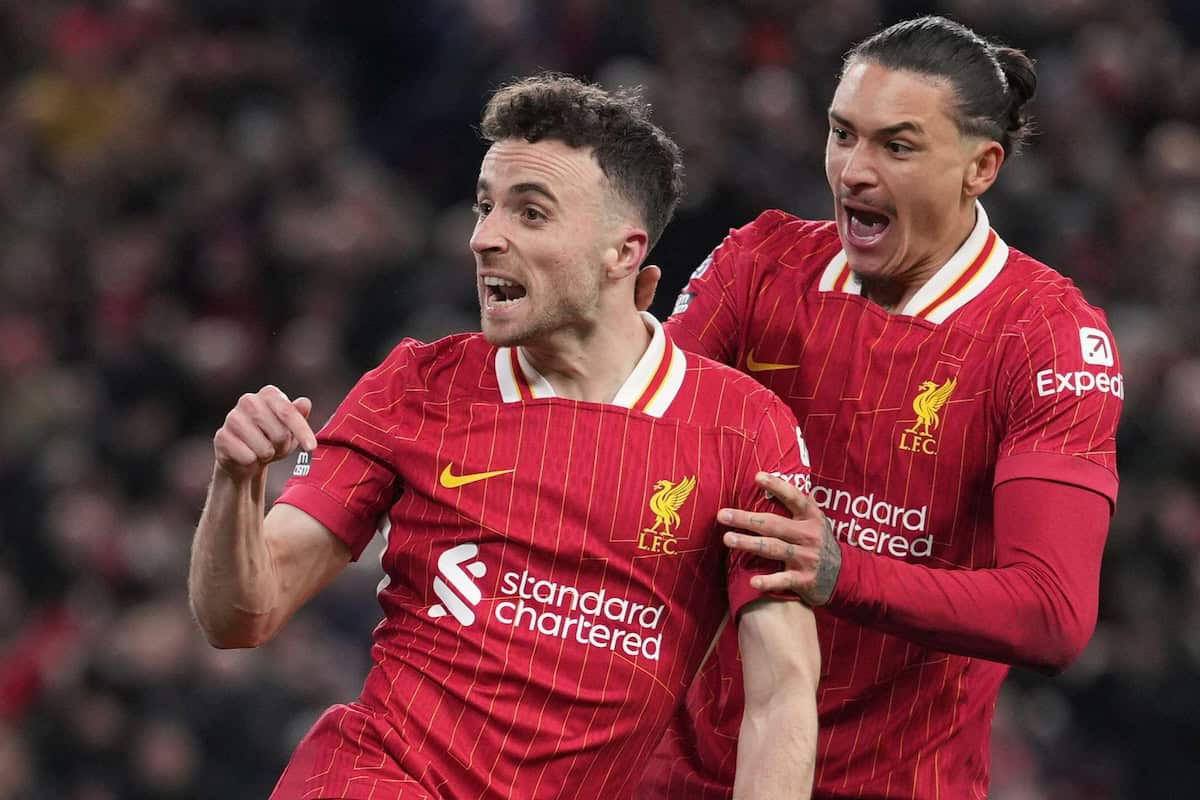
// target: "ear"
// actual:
[[627, 253], [983, 168]]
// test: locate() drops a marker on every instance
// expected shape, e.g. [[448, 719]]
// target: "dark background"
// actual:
[[198, 198]]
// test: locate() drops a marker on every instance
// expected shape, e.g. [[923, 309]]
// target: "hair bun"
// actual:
[[1022, 83]]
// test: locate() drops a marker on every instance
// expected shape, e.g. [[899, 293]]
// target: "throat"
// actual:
[[891, 295]]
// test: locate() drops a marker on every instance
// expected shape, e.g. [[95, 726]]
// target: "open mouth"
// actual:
[[865, 228], [501, 292]]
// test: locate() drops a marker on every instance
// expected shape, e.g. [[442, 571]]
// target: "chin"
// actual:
[[500, 337]]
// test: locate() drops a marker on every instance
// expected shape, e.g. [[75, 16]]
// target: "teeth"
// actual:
[[492, 280]]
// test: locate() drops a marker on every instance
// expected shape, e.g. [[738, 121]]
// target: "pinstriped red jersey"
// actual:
[[554, 573], [997, 369]]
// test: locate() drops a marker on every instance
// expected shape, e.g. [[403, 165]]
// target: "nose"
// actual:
[[488, 236], [857, 168]]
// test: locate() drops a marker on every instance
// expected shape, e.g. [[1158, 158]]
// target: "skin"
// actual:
[[895, 149], [548, 220]]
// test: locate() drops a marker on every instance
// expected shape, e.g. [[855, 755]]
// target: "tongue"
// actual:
[[864, 225]]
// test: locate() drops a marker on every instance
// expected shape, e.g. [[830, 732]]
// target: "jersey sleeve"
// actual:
[[712, 310], [778, 448], [1062, 393], [349, 481]]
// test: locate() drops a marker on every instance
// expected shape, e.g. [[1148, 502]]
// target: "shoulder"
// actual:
[[729, 398], [1046, 296], [414, 364], [779, 237], [775, 246]]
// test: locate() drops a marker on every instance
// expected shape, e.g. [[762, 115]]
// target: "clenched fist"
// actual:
[[263, 427]]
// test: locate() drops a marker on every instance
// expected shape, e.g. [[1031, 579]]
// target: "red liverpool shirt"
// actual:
[[997, 369], [554, 572]]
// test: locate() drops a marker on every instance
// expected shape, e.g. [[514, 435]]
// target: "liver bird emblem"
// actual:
[[666, 502], [928, 402]]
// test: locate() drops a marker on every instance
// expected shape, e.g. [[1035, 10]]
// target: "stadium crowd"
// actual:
[[198, 197]]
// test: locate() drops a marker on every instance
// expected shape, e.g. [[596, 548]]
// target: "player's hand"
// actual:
[[805, 543], [263, 427], [645, 285]]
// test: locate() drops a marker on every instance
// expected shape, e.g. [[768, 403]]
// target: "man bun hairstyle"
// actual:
[[992, 83], [640, 161]]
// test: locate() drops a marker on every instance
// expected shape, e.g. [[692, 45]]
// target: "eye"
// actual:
[[482, 208], [532, 214], [841, 134], [898, 148]]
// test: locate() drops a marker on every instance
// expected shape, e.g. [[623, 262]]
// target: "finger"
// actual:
[[786, 581], [762, 546], [265, 410], [247, 431], [303, 405], [645, 285], [295, 423], [759, 522], [232, 451], [783, 491], [794, 500]]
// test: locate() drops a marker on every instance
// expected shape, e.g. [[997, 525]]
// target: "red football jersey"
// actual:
[[554, 571], [997, 369]]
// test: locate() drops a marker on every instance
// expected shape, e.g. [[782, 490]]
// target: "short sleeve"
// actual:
[[713, 307], [778, 448], [348, 483], [1063, 401]]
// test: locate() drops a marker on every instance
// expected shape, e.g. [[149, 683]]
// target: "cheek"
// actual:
[[833, 166], [928, 200]]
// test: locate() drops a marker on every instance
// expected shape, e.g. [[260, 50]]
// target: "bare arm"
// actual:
[[248, 574], [781, 665]]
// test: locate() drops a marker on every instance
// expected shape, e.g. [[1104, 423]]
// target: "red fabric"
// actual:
[[1035, 607], [934, 582], [461, 700]]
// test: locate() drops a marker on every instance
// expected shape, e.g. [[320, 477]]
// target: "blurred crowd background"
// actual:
[[200, 197]]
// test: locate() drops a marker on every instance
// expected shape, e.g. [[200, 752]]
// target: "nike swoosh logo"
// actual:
[[765, 366], [451, 481]]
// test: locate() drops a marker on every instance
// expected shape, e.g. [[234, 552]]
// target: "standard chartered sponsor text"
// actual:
[[877, 525], [868, 523], [595, 619]]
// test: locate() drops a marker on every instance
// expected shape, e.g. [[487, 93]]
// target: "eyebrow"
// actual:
[[521, 188], [907, 126]]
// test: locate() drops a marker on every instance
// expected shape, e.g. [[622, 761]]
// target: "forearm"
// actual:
[[777, 746], [781, 665], [1035, 608], [232, 582], [1008, 615]]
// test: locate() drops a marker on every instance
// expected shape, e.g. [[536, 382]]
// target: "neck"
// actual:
[[592, 365]]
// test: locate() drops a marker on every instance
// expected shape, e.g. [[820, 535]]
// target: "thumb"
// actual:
[[303, 405]]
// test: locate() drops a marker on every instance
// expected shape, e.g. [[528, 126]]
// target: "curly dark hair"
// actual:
[[640, 161]]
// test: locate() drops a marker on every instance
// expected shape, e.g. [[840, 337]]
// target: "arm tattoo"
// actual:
[[828, 566]]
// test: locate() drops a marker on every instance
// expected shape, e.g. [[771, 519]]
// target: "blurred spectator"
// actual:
[[198, 197]]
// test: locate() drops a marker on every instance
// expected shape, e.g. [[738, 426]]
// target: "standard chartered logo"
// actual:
[[595, 619], [876, 525], [547, 608], [460, 600]]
